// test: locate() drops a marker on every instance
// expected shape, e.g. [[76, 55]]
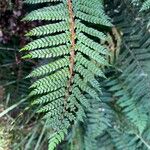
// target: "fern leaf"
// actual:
[[65, 82], [131, 87], [146, 5]]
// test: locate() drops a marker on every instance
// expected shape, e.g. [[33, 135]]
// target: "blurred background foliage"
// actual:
[[13, 70]]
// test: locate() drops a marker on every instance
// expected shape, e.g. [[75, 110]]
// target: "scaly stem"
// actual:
[[72, 49]]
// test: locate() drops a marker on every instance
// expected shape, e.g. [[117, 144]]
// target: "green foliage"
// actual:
[[99, 119], [131, 86], [66, 84], [146, 5], [126, 90], [71, 89]]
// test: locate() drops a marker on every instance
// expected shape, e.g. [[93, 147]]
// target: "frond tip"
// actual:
[[56, 138]]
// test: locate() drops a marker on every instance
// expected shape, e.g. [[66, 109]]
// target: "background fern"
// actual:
[[127, 89]]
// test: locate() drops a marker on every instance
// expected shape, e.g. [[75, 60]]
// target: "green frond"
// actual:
[[92, 44], [50, 97], [92, 66], [99, 119], [129, 140], [66, 82], [95, 55], [54, 13], [130, 87], [49, 52], [49, 29], [129, 104], [80, 97], [146, 5], [52, 106], [51, 83], [56, 138], [90, 31], [49, 68], [48, 41]]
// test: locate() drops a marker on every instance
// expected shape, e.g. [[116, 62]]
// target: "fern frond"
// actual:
[[49, 29], [49, 52], [99, 119], [65, 83], [56, 138], [134, 111], [146, 5], [131, 86], [48, 41], [125, 137], [49, 68]]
